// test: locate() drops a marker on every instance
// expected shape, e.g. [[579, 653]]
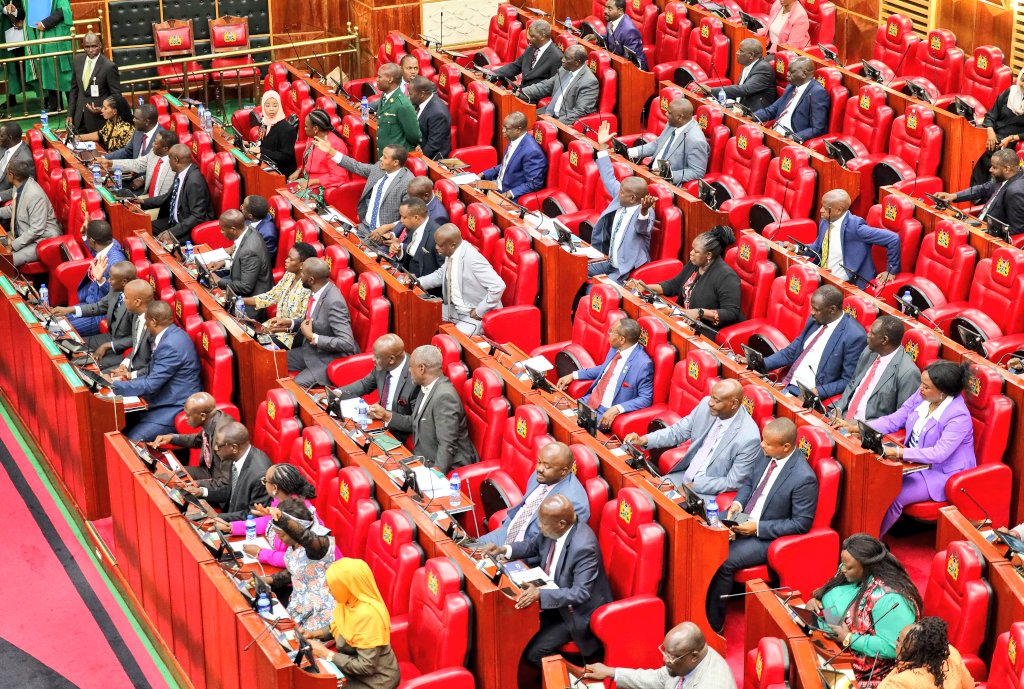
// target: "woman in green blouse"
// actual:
[[868, 603]]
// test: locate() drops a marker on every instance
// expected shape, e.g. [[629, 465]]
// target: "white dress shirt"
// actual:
[[622, 219], [556, 105], [8, 156], [147, 139], [395, 374], [746, 72], [756, 510], [834, 259], [509, 152], [923, 416], [422, 106], [455, 296], [540, 51], [414, 240], [559, 547], [807, 372], [790, 107], [613, 383], [861, 413], [237, 243]]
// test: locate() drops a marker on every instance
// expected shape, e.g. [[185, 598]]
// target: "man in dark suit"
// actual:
[[621, 32], [824, 355], [326, 330], [244, 487], [129, 351], [540, 60], [779, 496], [201, 412], [568, 552], [111, 307], [147, 124], [95, 284], [885, 377], [256, 210], [251, 271], [173, 375], [438, 421], [801, 112], [387, 183], [93, 78], [416, 248], [524, 167], [434, 118], [1003, 195], [419, 188], [187, 203], [843, 245], [396, 391], [13, 149], [755, 88], [624, 382]]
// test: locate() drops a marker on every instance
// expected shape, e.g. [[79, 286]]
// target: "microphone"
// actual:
[[867, 632], [899, 64], [272, 625], [804, 248], [977, 504], [857, 276], [874, 664], [751, 593]]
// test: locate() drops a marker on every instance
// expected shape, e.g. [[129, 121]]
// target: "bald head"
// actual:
[[421, 188], [159, 317], [778, 439], [198, 408], [447, 239], [314, 273], [388, 352], [801, 70], [632, 191], [389, 75], [232, 224], [575, 56], [180, 157], [685, 647], [556, 516], [554, 463], [121, 273], [834, 203], [726, 398], [680, 111], [137, 296]]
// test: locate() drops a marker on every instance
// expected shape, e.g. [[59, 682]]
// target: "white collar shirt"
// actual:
[[806, 373]]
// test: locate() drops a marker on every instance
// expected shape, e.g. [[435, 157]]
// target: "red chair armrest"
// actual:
[[519, 325], [806, 561], [638, 421], [479, 158], [400, 637], [803, 230], [447, 678], [988, 482]]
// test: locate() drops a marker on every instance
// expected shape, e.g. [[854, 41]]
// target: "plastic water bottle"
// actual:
[[208, 122], [188, 253], [117, 179], [711, 508], [44, 296], [362, 414], [364, 110], [721, 97], [44, 120], [263, 606], [97, 175], [239, 307], [250, 529], [568, 23], [454, 496]]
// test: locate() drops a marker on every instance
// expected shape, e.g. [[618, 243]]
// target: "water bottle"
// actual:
[[239, 307], [188, 253], [263, 606], [44, 120], [44, 296], [250, 529], [454, 496], [97, 175], [208, 122], [721, 97], [711, 507], [142, 101], [362, 414], [568, 23], [117, 179], [364, 110]]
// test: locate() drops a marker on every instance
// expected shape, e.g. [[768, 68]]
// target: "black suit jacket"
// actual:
[[758, 91], [790, 502], [426, 259], [219, 474], [107, 80], [251, 270], [582, 582], [405, 397], [134, 149], [547, 66], [440, 429], [1009, 204], [248, 491], [436, 129], [193, 205]]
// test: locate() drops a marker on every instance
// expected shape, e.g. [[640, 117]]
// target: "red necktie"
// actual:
[[309, 308], [551, 559], [594, 401], [207, 456], [799, 359], [756, 495], [385, 391], [862, 389], [156, 176]]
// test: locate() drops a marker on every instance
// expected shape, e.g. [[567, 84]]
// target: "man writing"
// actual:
[[201, 412]]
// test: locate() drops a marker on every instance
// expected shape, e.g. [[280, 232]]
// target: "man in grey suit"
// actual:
[[682, 144], [438, 422], [469, 286], [623, 232], [326, 330], [725, 442], [396, 391], [30, 216], [885, 377], [13, 149], [158, 176], [573, 89], [689, 662], [251, 271], [755, 88], [387, 184]]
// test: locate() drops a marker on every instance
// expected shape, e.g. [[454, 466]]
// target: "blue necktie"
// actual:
[[378, 194]]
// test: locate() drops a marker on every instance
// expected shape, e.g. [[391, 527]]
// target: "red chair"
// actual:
[[866, 125], [277, 425], [546, 135], [667, 232], [370, 310], [483, 398], [181, 427], [744, 166], [502, 36], [600, 63], [893, 44], [174, 39], [474, 140], [394, 556], [959, 594], [451, 359], [578, 180], [788, 305], [767, 665], [392, 49], [921, 345], [1007, 667], [229, 34], [307, 451], [160, 281], [216, 361], [225, 190], [760, 404], [945, 258], [751, 259], [822, 18], [936, 65], [586, 466], [671, 40], [985, 77], [656, 116], [831, 79], [711, 121], [479, 229], [911, 166], [353, 133], [789, 192], [633, 551], [782, 60], [350, 510], [518, 321], [65, 276], [860, 308], [452, 92], [706, 56], [432, 644], [595, 315], [995, 305], [277, 78], [185, 305], [448, 193], [654, 338]]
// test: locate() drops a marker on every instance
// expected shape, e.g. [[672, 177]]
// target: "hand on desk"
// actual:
[[564, 381], [383, 232], [379, 413], [636, 440], [597, 672], [394, 247], [161, 440], [319, 650], [492, 550], [104, 163], [851, 428], [216, 265], [608, 417], [62, 311], [945, 196], [215, 523], [814, 605], [529, 595], [252, 551], [139, 183], [740, 359], [892, 452], [279, 325]]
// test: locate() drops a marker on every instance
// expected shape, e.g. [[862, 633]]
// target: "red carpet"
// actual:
[[62, 624]]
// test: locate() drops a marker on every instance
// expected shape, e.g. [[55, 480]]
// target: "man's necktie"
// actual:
[[862, 389], [145, 143], [594, 401], [87, 73], [756, 495], [309, 307], [704, 453], [660, 155], [550, 559], [173, 209], [378, 194], [504, 164], [205, 453], [385, 391], [789, 106], [825, 246], [448, 280], [235, 471], [796, 364], [14, 213], [991, 201], [517, 527], [156, 176], [536, 59], [616, 229], [120, 299]]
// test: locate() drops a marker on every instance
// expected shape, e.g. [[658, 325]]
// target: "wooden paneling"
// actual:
[[855, 36], [976, 23], [577, 9]]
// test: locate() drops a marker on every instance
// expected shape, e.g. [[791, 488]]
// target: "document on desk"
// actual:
[[214, 255], [590, 252], [432, 482], [533, 574], [246, 559], [465, 178], [537, 363]]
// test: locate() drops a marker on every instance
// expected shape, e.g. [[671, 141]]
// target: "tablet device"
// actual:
[[870, 439], [755, 360]]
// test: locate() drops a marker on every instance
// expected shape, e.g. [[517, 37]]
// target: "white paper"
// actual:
[[465, 178], [84, 145], [349, 407], [537, 363], [214, 255], [589, 252], [124, 400], [432, 483], [247, 559], [533, 574], [13, 35]]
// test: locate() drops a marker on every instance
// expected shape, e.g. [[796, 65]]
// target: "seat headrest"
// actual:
[[371, 286], [1006, 265], [709, 26], [602, 300], [917, 118], [451, 350], [337, 257], [700, 365], [544, 132], [585, 464], [598, 61], [477, 93], [771, 665], [516, 241], [316, 443], [396, 529], [530, 423], [442, 579], [870, 98], [748, 138], [750, 250], [757, 397], [948, 236], [653, 332], [580, 153], [897, 26], [674, 11], [814, 443], [478, 216], [633, 508], [354, 484], [211, 336], [981, 385], [828, 77], [918, 343], [448, 72], [185, 303], [940, 41], [792, 159], [708, 116], [280, 405], [963, 564], [486, 385], [987, 59], [801, 282]]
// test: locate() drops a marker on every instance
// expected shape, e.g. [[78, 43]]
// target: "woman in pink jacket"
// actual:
[[788, 25]]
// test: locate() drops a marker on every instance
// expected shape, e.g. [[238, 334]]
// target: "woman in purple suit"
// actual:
[[939, 433]]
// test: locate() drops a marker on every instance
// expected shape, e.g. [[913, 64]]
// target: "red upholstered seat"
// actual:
[[65, 275], [654, 338], [393, 556], [483, 398], [174, 39], [452, 92], [225, 190], [578, 180], [478, 228], [451, 358], [432, 645], [216, 361], [861, 309], [474, 139], [667, 232], [936, 64], [781, 64], [671, 40], [744, 166], [831, 79], [985, 77], [717, 134], [958, 593], [503, 34], [866, 124], [277, 78], [277, 425], [706, 56], [750, 258], [370, 310], [600, 63], [645, 14], [70, 180], [1007, 667], [308, 451], [350, 509], [586, 466], [633, 551], [185, 305], [759, 403], [546, 134], [181, 427], [894, 41], [896, 214], [595, 315], [945, 258], [181, 126], [921, 345], [766, 665], [160, 281], [353, 133], [822, 18], [392, 49], [448, 193], [788, 305], [229, 34], [789, 192], [135, 249], [518, 265], [656, 115]]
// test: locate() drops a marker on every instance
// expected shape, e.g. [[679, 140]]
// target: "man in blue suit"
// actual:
[[256, 210], [106, 251], [173, 375], [824, 356], [803, 108], [524, 167], [778, 498], [147, 124], [624, 382], [621, 32], [844, 243], [554, 476]]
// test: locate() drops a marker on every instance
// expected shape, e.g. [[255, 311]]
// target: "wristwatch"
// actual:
[[700, 314]]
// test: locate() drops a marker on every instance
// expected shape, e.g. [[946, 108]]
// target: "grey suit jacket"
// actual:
[[395, 194], [36, 221], [712, 673], [732, 459], [688, 155], [147, 164], [438, 424], [251, 269], [332, 325], [899, 380], [481, 286], [6, 189], [580, 98]]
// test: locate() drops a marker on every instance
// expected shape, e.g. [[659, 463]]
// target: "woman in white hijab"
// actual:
[[1005, 125], [276, 140]]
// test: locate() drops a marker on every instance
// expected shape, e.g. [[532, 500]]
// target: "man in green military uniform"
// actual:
[[396, 116], [53, 74]]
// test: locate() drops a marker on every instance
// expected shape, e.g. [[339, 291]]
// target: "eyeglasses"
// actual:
[[664, 653]]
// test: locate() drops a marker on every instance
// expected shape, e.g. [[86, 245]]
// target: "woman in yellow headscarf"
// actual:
[[361, 628]]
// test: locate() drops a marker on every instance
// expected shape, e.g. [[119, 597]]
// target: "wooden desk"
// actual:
[[555, 673]]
